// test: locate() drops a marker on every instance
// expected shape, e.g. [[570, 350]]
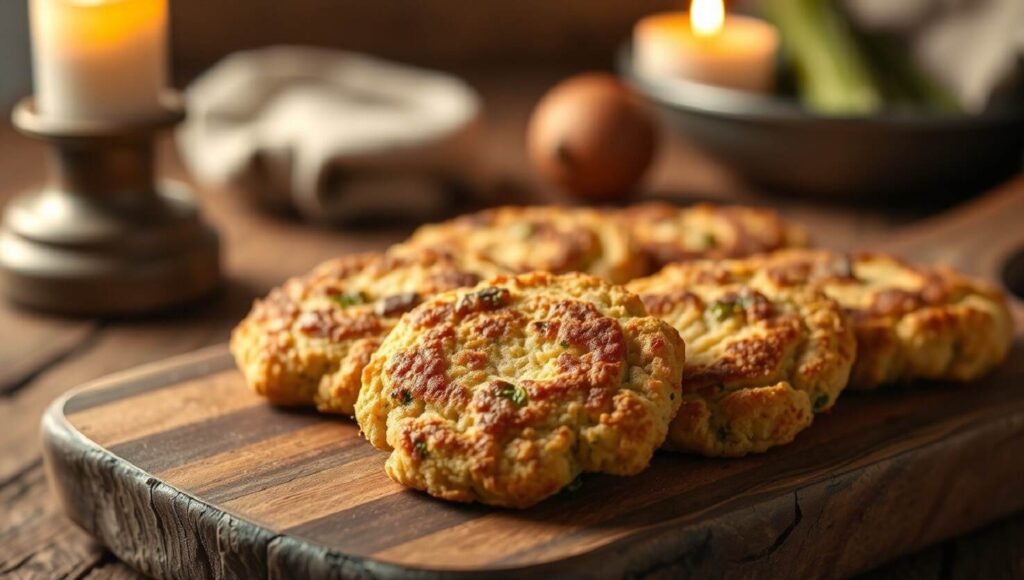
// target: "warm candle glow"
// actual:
[[99, 59], [108, 24], [707, 17], [701, 46]]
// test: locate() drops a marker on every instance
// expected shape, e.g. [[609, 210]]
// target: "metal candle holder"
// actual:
[[103, 237]]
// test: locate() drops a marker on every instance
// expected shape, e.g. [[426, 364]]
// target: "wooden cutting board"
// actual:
[[183, 473]]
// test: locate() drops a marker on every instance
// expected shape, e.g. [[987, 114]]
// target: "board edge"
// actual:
[[90, 481]]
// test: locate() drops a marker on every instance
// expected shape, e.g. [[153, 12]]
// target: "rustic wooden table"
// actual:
[[41, 356]]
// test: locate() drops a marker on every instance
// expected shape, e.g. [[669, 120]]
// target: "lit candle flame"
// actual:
[[707, 17]]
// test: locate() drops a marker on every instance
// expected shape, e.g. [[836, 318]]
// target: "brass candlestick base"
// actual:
[[102, 237]]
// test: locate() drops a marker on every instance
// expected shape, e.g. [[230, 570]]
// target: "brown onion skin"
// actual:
[[592, 136]]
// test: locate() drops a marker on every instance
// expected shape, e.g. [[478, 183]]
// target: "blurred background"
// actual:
[[925, 60], [448, 34]]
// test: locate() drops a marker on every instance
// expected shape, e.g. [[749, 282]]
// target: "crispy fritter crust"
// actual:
[[761, 358], [307, 342], [544, 238], [911, 322], [667, 233], [504, 393]]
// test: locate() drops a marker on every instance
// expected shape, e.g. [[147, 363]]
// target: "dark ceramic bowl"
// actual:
[[772, 142]]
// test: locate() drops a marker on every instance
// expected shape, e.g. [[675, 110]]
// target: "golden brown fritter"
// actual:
[[307, 342], [667, 233], [505, 392], [761, 358], [544, 238], [911, 322]]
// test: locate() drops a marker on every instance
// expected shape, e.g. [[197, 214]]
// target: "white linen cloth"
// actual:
[[334, 134]]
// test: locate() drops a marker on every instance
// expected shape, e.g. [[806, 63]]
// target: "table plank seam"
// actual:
[[81, 346]]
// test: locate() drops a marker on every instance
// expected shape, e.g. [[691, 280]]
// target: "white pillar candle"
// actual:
[[707, 46], [99, 60]]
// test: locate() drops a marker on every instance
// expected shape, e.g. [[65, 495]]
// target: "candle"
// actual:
[[705, 45], [99, 60]]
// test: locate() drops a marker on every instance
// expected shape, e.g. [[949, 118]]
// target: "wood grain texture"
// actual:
[[254, 490]]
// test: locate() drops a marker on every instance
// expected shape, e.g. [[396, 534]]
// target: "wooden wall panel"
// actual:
[[445, 33]]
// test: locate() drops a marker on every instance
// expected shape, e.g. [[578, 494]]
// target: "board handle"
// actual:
[[984, 237]]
